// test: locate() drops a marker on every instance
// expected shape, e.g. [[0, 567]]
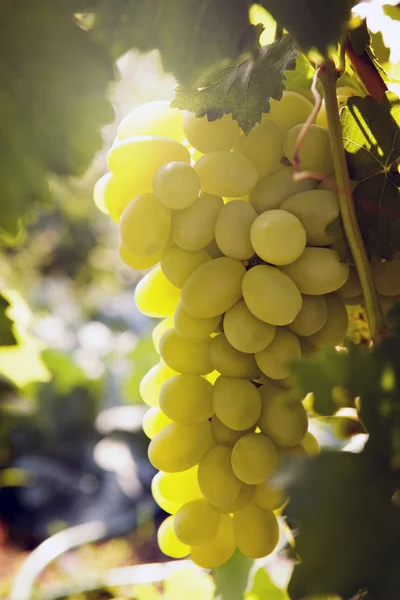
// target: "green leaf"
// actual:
[[231, 578], [302, 76], [360, 39], [372, 144], [243, 90], [66, 374], [263, 588], [7, 337]]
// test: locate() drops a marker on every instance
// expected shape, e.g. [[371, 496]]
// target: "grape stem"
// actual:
[[344, 191]]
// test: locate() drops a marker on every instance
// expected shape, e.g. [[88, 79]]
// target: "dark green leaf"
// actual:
[[360, 39], [243, 90], [7, 337], [231, 578]]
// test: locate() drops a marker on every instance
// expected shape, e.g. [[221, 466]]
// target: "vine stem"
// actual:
[[350, 224]]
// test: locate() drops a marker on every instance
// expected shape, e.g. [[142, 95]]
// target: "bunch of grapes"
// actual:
[[245, 281]]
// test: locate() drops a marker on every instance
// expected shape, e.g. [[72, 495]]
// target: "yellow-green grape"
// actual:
[[225, 435], [342, 95], [386, 276], [98, 192], [271, 295], [159, 329], [153, 118], [194, 329], [316, 209], [244, 331], [137, 262], [315, 152], [154, 420], [184, 355], [256, 531], [213, 250], [254, 458], [352, 287], [219, 550], [187, 399], [177, 264], [193, 228], [226, 173], [178, 447], [218, 483], [335, 329], [274, 360], [245, 496], [289, 111], [213, 288], [196, 522], [155, 296], [231, 362], [236, 402], [137, 159], [318, 271], [312, 316], [169, 507], [268, 497], [282, 419], [270, 192], [232, 229], [145, 225], [113, 194], [168, 541], [278, 237], [176, 185], [263, 146], [153, 380], [178, 488], [310, 444], [208, 136]]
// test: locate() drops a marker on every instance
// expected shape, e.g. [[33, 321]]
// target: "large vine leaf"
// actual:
[[372, 143], [232, 577], [244, 90]]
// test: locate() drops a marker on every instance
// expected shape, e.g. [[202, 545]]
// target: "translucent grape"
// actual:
[[274, 359], [315, 152], [155, 296], [310, 444], [224, 435], [335, 329], [256, 531], [178, 264], [268, 497], [289, 111], [217, 481], [145, 225], [179, 447], [196, 522], [318, 271], [236, 402], [178, 488], [159, 329], [226, 174], [169, 507], [194, 329], [312, 316], [168, 542], [278, 237], [154, 420], [137, 262], [219, 550], [153, 118], [232, 229], [213, 288], [231, 362], [176, 185], [352, 287], [187, 399], [184, 355], [271, 297], [386, 276], [254, 458], [282, 419], [270, 192], [114, 195], [245, 496], [244, 331], [263, 147], [208, 136], [153, 380], [193, 228]]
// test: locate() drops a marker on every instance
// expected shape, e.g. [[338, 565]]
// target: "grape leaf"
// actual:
[[263, 588], [7, 337], [244, 90], [360, 39], [302, 76], [372, 144], [231, 578]]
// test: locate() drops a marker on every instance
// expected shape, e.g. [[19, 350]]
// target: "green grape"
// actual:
[[137, 262], [278, 237], [194, 329], [352, 287], [218, 483], [213, 250], [226, 173], [315, 153], [168, 541], [318, 271], [209, 136], [263, 147], [153, 118], [159, 329], [270, 192], [274, 359], [310, 444], [245, 496], [335, 329], [169, 507], [256, 531], [232, 229], [179, 447], [224, 435], [231, 362], [219, 550], [312, 316], [271, 295], [176, 185], [145, 225], [289, 111], [178, 264], [137, 159], [268, 497], [99, 192], [244, 331], [154, 420], [185, 356], [282, 419], [196, 522], [155, 296], [187, 399], [254, 458], [236, 402], [213, 288], [153, 380], [193, 228], [316, 209], [178, 488], [386, 276]]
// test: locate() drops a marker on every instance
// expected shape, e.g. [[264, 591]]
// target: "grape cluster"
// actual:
[[245, 280]]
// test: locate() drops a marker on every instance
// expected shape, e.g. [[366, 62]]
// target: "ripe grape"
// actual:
[[193, 228], [318, 271], [244, 331], [178, 264], [263, 147], [196, 522], [178, 488], [335, 329], [185, 356], [187, 399], [256, 531], [219, 549], [312, 316], [224, 435], [114, 195], [159, 329], [386, 276], [274, 359], [226, 174], [145, 225], [194, 329], [209, 136], [153, 380], [155, 296], [289, 111], [270, 192], [138, 262], [278, 237], [231, 362], [169, 507], [153, 118], [245, 496], [232, 229], [352, 287], [218, 483], [282, 419], [236, 402], [176, 185], [168, 541], [268, 497], [254, 458], [315, 152], [154, 421]]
